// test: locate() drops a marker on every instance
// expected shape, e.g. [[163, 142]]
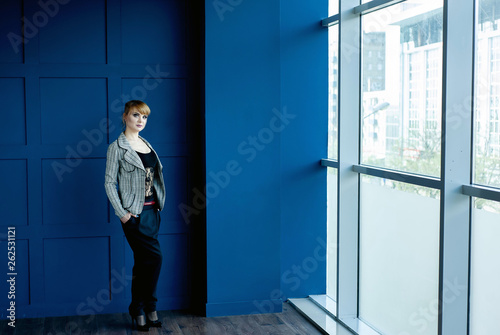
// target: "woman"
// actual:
[[132, 162]]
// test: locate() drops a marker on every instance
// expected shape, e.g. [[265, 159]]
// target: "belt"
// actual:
[[149, 203]]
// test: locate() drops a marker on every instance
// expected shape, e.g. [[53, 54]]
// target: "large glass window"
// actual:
[[401, 87], [390, 241], [401, 80], [399, 257], [485, 269], [487, 94]]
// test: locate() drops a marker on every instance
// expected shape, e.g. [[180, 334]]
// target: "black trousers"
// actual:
[[142, 236]]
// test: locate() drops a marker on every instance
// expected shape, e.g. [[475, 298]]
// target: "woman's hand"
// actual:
[[126, 217]]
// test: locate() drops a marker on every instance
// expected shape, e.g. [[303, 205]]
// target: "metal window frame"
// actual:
[[331, 20], [374, 6], [456, 163], [483, 192], [329, 163], [403, 177]]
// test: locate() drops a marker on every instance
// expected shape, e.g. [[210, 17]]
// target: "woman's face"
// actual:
[[135, 121]]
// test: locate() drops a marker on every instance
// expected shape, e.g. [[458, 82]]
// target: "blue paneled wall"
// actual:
[[64, 80]]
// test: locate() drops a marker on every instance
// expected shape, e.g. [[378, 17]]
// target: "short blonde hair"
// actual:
[[138, 105]]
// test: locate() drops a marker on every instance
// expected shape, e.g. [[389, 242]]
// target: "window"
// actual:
[[397, 276], [484, 291], [407, 84], [333, 33], [487, 98], [414, 166], [333, 36]]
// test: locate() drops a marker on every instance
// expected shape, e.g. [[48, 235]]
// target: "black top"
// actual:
[[149, 161]]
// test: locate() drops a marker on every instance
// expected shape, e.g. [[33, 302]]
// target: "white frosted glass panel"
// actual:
[[331, 288], [399, 257], [485, 268]]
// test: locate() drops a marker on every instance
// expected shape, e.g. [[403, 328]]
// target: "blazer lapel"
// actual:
[[130, 155]]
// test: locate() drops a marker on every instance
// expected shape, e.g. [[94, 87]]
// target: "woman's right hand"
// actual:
[[126, 217]]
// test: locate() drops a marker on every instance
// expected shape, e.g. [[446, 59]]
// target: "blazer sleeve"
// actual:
[[110, 180]]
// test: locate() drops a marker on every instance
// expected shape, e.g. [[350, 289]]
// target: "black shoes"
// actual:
[[152, 320], [139, 323]]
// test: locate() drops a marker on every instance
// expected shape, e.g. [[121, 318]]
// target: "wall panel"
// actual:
[[72, 191], [154, 32], [11, 36], [13, 98], [70, 108], [74, 32], [76, 268], [14, 188]]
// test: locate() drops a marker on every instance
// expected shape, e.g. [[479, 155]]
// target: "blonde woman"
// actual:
[[134, 166]]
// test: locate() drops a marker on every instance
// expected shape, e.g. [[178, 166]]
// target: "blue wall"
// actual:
[[243, 211], [304, 93], [266, 129]]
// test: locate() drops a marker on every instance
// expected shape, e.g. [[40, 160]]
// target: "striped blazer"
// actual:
[[124, 165]]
